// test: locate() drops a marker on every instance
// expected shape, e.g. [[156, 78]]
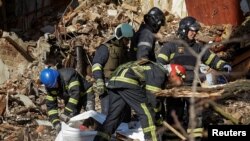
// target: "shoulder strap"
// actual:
[[122, 67]]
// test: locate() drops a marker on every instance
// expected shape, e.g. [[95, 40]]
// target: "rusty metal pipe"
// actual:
[[80, 58]]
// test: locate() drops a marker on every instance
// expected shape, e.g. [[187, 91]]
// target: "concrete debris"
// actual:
[[4, 73], [26, 101], [44, 122]]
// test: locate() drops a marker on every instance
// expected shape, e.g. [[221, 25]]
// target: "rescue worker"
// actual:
[[177, 53], [130, 86], [68, 85], [144, 40], [108, 57]]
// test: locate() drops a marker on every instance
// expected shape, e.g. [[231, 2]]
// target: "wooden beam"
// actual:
[[20, 49]]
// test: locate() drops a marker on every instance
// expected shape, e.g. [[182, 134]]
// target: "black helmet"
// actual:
[[186, 24], [155, 18]]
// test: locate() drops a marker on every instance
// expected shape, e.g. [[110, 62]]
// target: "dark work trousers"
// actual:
[[159, 107], [137, 100], [104, 98], [105, 103], [90, 103]]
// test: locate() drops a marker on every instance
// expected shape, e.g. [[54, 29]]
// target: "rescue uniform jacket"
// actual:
[[178, 54], [107, 58], [72, 87], [149, 76], [143, 42]]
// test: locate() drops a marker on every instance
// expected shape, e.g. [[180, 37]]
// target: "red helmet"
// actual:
[[176, 69]]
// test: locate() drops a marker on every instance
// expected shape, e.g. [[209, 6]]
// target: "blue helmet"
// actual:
[[49, 77]]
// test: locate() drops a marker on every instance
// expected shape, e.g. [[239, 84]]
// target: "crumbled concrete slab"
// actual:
[[4, 73]]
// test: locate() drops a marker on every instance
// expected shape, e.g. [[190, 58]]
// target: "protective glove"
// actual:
[[57, 127], [64, 118], [227, 68], [99, 86], [204, 68]]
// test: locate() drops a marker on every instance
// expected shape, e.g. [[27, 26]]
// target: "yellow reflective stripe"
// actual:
[[74, 83], [74, 101], [150, 121], [163, 56], [210, 58], [159, 121], [124, 79], [55, 120], [90, 89], [197, 135], [195, 130], [136, 71], [124, 72], [148, 129], [52, 112], [96, 68], [68, 109], [50, 98], [219, 64], [158, 109], [146, 67], [145, 109], [53, 92], [172, 55], [152, 88]]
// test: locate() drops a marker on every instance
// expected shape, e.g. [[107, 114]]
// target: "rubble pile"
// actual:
[[93, 23], [22, 104], [232, 100], [22, 108]]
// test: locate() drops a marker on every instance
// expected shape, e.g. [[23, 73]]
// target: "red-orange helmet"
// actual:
[[176, 69]]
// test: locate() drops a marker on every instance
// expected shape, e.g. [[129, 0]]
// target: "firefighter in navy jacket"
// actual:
[[67, 84], [144, 40], [129, 86], [175, 52]]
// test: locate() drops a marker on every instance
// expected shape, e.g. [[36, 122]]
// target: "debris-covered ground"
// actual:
[[22, 106]]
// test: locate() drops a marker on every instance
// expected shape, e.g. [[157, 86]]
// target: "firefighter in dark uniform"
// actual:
[[67, 84], [143, 43], [108, 57], [144, 40], [130, 86], [177, 53]]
